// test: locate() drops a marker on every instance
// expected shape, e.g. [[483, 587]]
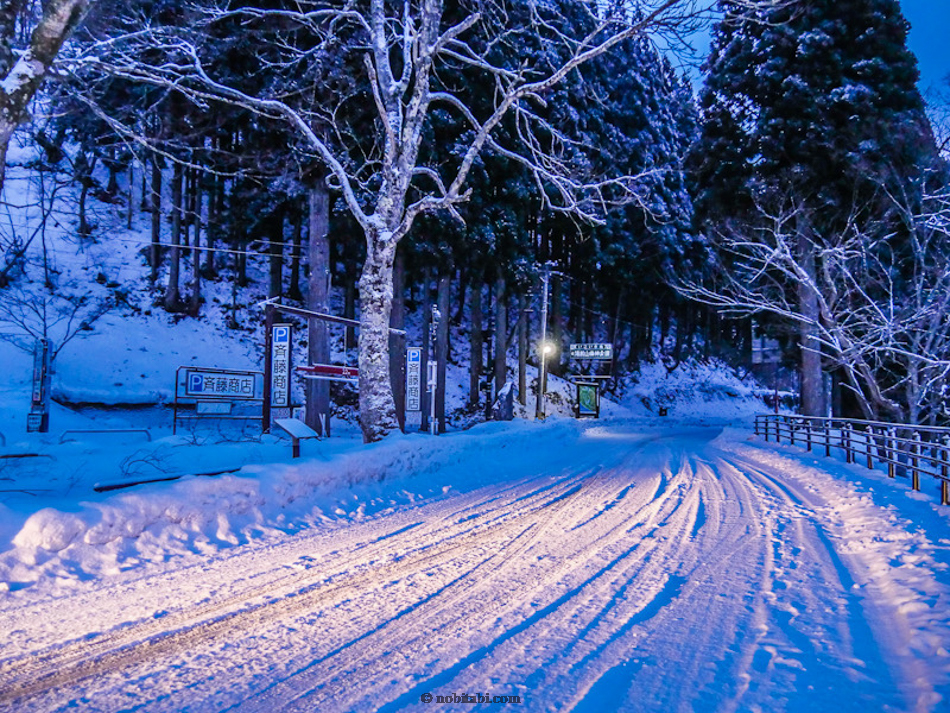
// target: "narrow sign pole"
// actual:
[[268, 366]]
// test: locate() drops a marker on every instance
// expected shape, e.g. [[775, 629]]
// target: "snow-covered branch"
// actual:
[[883, 315]]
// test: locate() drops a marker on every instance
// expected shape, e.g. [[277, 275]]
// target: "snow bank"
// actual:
[[200, 514]]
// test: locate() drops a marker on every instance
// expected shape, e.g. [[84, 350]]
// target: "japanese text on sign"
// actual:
[[280, 365], [603, 352], [414, 379], [219, 384]]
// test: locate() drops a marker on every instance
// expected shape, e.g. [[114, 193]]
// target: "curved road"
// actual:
[[665, 571]]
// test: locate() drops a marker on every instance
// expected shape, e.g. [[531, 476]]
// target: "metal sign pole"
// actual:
[[432, 381], [268, 366]]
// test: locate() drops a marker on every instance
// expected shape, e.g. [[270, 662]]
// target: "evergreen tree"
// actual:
[[816, 98], [811, 111]]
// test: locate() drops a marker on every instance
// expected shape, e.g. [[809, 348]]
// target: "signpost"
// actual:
[[216, 392], [280, 366], [330, 372], [414, 386], [37, 421], [588, 386], [588, 399], [277, 361]]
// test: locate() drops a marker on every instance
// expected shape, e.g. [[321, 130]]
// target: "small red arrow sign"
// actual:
[[330, 370]]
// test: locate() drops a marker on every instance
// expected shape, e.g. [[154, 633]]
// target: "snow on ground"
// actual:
[[627, 564]]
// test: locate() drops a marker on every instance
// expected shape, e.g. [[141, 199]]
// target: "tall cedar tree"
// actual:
[[812, 104]]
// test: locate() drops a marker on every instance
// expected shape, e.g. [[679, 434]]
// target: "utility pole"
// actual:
[[433, 371]]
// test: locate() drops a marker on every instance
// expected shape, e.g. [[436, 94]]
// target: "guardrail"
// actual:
[[905, 450]]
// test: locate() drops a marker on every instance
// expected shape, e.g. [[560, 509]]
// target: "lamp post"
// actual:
[[539, 404], [546, 348]]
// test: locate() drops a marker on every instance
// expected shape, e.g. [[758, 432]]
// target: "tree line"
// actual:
[[449, 152]]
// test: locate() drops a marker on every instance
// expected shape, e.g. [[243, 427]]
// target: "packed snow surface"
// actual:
[[579, 566]]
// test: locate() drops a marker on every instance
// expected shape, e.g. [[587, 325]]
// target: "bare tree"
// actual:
[[58, 21], [27, 316], [403, 48], [875, 307]]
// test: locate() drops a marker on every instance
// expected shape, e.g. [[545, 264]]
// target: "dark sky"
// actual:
[[929, 38]]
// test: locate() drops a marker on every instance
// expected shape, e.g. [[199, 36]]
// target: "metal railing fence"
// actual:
[[906, 451]]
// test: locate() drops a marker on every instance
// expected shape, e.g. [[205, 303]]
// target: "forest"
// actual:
[[388, 157]]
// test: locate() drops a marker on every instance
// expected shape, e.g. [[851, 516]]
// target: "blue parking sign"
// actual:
[[197, 383], [281, 334]]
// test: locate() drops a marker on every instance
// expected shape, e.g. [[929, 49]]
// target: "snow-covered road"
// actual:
[[618, 569]]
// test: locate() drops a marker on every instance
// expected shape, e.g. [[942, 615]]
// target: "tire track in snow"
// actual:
[[148, 640]]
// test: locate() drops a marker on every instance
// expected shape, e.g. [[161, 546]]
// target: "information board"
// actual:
[[596, 351]]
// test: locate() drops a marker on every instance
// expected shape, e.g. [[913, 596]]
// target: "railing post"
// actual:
[[869, 434], [791, 430], [944, 492], [846, 443], [943, 456], [890, 443], [915, 461], [882, 449], [808, 433], [827, 438], [778, 429]]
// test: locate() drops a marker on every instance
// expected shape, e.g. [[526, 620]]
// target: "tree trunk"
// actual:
[[813, 402], [155, 252], [575, 315], [442, 345], [349, 295], [501, 333], [556, 328], [614, 331], [426, 347], [276, 253], [294, 290], [83, 168], [131, 195], [215, 198], [460, 296], [173, 293], [195, 307], [317, 412], [397, 342], [377, 407], [476, 338], [60, 18], [522, 351]]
